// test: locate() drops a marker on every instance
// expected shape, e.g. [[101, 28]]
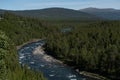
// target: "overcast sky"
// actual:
[[73, 4]]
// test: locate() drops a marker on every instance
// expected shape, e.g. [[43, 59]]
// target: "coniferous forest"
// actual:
[[91, 46], [10, 68]]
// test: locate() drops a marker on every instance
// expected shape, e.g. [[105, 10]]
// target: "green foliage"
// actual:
[[94, 47], [20, 29], [89, 46], [10, 69], [9, 66], [3, 53]]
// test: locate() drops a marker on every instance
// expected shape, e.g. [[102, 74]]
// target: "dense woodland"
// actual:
[[87, 46], [94, 48], [10, 68]]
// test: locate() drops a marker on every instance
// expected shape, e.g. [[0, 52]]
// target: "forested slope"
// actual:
[[94, 48], [21, 29], [88, 46], [10, 68], [55, 14], [107, 13]]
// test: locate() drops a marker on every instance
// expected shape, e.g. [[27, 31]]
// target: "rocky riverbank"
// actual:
[[92, 75], [40, 51]]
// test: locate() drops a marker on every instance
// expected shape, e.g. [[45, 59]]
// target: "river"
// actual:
[[51, 70]]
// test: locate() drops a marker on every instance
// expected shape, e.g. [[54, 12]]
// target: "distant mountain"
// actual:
[[57, 13], [108, 13], [2, 11]]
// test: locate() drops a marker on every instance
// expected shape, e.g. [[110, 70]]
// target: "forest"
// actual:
[[10, 69], [91, 46]]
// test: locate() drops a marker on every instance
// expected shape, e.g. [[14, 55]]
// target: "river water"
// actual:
[[51, 70]]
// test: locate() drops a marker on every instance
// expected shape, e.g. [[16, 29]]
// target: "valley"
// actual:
[[83, 41]]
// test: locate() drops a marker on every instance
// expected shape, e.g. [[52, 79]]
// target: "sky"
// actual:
[[72, 4]]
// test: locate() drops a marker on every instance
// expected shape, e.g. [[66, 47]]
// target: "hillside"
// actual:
[[108, 13], [1, 11], [94, 44], [56, 14], [12, 33], [10, 69]]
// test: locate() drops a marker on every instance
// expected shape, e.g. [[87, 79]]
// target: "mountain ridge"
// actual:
[[106, 13], [56, 13]]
